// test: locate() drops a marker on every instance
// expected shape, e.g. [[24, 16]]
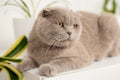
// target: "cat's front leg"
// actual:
[[61, 65], [27, 64]]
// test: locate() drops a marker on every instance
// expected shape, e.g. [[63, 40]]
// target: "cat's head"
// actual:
[[58, 26]]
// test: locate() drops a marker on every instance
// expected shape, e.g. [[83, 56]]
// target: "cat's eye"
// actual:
[[75, 25], [60, 24]]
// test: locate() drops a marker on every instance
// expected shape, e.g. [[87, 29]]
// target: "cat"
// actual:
[[63, 40]]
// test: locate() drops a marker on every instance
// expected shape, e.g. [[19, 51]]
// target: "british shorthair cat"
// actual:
[[63, 40]]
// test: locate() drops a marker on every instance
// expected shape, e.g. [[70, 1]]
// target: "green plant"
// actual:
[[10, 56], [30, 10], [114, 6]]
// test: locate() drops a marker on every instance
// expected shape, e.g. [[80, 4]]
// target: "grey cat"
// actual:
[[63, 40]]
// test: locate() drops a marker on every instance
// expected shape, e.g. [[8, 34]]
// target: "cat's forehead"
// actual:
[[62, 15]]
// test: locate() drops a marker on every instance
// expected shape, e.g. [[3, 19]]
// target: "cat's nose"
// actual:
[[69, 33]]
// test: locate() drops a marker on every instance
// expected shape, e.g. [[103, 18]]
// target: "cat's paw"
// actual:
[[21, 68], [47, 70]]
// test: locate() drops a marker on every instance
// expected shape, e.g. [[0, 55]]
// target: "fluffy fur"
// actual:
[[63, 40]]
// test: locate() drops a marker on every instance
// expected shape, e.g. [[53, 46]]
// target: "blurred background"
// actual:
[[18, 16]]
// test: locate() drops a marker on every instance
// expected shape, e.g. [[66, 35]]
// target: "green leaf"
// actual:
[[17, 4], [25, 5], [25, 8], [12, 75], [17, 48], [2, 59], [12, 72], [114, 6]]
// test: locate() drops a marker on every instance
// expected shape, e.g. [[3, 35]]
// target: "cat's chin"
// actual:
[[60, 44], [63, 44]]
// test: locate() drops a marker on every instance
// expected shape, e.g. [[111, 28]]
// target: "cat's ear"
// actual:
[[46, 13]]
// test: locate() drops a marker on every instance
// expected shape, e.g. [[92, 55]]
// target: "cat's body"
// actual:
[[63, 40]]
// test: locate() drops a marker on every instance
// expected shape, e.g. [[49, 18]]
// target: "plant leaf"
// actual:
[[17, 48], [11, 4], [114, 6], [2, 59], [6, 2], [25, 7], [18, 5], [33, 8], [13, 73]]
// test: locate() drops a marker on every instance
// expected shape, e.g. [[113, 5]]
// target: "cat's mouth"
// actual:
[[65, 43], [67, 40], [63, 39]]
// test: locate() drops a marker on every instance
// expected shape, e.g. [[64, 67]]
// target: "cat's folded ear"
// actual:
[[46, 12]]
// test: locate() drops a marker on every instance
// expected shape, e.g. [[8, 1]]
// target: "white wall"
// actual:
[[86, 5], [6, 27]]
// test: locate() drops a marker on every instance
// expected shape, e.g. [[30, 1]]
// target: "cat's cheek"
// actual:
[[73, 37]]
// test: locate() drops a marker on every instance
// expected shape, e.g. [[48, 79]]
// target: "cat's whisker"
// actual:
[[51, 45]]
